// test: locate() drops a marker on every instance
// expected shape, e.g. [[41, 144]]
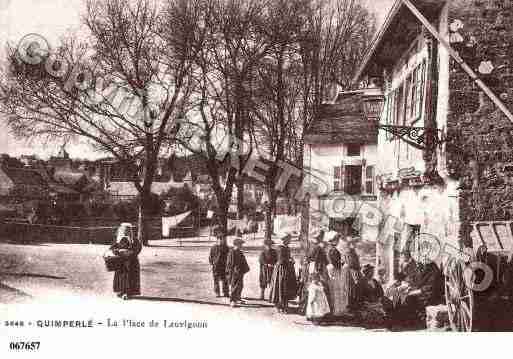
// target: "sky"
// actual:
[[52, 19]]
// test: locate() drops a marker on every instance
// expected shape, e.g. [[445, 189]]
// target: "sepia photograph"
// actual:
[[183, 173]]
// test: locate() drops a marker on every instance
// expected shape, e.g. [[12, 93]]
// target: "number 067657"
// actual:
[[26, 346]]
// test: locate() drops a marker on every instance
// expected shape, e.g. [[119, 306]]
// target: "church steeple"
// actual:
[[63, 153]]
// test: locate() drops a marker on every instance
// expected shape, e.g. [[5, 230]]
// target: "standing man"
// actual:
[[217, 259], [236, 268]]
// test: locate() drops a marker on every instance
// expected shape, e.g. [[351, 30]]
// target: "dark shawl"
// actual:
[[267, 260], [334, 257], [217, 258], [370, 290], [318, 256]]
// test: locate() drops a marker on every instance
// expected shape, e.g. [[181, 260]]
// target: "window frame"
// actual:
[[351, 153], [406, 103]]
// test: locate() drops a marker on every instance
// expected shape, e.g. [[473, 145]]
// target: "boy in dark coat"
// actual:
[[236, 267], [217, 259], [267, 260]]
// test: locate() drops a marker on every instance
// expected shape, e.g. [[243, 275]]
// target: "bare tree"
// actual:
[[277, 92], [233, 48], [131, 69], [336, 35]]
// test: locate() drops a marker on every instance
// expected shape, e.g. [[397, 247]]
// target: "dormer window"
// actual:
[[354, 149]]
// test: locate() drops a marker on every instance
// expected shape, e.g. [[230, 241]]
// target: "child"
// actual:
[[317, 305], [236, 267]]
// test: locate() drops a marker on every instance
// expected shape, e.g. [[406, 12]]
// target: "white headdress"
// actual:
[[331, 235], [124, 230]]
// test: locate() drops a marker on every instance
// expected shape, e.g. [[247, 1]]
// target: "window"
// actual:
[[353, 179], [347, 226], [353, 150], [415, 84], [369, 180], [406, 103]]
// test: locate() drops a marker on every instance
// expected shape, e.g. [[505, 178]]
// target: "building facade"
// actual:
[[340, 163], [442, 145]]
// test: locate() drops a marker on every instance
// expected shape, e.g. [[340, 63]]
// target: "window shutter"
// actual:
[[414, 93], [369, 180], [336, 172], [342, 177], [408, 87], [387, 108], [336, 178], [420, 89]]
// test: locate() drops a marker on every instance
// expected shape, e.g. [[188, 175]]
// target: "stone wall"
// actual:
[[480, 152]]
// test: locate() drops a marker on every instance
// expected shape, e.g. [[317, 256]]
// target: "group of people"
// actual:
[[330, 282], [334, 285], [229, 265]]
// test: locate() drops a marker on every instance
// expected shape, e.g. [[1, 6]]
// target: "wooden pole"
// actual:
[[456, 56]]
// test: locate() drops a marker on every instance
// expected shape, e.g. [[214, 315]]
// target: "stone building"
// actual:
[[444, 149]]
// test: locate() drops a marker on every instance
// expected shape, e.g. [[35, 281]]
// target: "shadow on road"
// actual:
[[23, 243], [34, 275], [10, 295], [194, 301], [178, 300]]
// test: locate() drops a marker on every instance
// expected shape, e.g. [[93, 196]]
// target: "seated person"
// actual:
[[404, 280], [408, 267], [371, 294], [411, 300], [370, 289]]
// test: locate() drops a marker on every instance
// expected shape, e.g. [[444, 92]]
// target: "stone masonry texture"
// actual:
[[480, 152]]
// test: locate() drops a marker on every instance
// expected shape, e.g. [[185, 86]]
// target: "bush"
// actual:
[[125, 211], [181, 200], [101, 209]]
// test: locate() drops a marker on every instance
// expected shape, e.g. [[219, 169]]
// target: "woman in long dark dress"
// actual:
[[267, 260], [352, 266], [127, 280], [283, 284]]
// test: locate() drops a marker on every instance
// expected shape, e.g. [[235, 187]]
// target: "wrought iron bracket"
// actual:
[[418, 137]]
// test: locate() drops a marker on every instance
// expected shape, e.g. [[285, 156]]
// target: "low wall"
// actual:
[[20, 232], [36, 233]]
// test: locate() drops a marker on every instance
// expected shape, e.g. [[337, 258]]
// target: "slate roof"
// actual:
[[61, 189], [342, 122], [69, 178], [24, 176]]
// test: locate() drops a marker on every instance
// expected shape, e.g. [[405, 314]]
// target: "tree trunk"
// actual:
[[305, 203], [222, 215], [240, 196], [305, 222], [142, 222], [270, 212]]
